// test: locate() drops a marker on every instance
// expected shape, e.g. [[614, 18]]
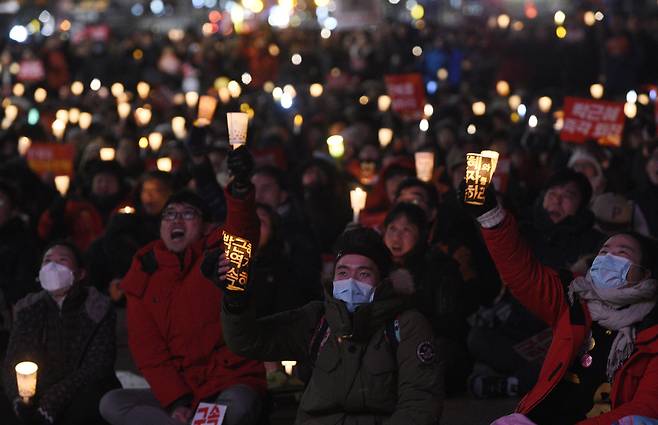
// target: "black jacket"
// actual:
[[73, 347]]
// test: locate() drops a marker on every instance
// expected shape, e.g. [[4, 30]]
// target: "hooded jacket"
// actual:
[[541, 290], [356, 379], [174, 320]]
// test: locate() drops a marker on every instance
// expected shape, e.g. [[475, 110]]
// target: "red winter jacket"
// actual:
[[174, 321], [540, 289]]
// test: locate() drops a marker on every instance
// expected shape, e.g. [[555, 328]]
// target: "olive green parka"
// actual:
[[357, 379]]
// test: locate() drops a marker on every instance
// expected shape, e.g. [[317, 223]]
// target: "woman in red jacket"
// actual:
[[602, 365]]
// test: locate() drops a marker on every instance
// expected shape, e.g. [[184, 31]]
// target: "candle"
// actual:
[[58, 127], [385, 136], [24, 144], [288, 365], [74, 115], [164, 164], [127, 210], [85, 120], [178, 127], [207, 105], [238, 123], [40, 95], [62, 184], [191, 99], [383, 103], [123, 110], [336, 145], [26, 379], [478, 176], [155, 140], [107, 154], [142, 116], [358, 202], [143, 89], [424, 165]]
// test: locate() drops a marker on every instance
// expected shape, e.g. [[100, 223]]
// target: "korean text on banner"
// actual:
[[56, 159], [407, 94], [209, 414], [586, 119], [238, 253]]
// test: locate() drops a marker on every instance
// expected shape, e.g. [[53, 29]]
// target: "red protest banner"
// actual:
[[51, 158], [31, 70], [407, 95], [586, 119]]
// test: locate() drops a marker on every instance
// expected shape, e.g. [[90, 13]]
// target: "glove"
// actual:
[[26, 412], [214, 267], [475, 211], [240, 165], [196, 142]]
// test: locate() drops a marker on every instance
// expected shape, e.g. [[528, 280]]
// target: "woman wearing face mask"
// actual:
[[602, 365], [67, 329]]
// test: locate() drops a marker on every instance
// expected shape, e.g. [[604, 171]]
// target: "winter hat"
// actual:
[[582, 155], [186, 196], [367, 242], [613, 211]]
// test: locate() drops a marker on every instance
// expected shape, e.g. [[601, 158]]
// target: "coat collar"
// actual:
[[368, 318]]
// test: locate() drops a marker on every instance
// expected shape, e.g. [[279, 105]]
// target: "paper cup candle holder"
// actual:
[[238, 253], [479, 171], [26, 379], [358, 202], [237, 128], [424, 165]]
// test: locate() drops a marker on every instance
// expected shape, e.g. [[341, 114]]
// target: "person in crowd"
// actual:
[[437, 286], [375, 360], [601, 366], [272, 190], [586, 163], [18, 258], [83, 218], [109, 256], [67, 329], [173, 317], [646, 196], [561, 228]]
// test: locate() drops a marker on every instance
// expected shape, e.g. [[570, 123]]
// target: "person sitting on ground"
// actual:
[[374, 359], [67, 329], [602, 364], [173, 315]]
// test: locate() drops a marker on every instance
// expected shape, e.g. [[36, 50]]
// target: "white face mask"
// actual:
[[353, 293], [54, 277]]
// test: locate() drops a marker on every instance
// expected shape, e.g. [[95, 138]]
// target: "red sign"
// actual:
[[209, 414], [586, 119], [51, 158], [31, 70], [407, 95]]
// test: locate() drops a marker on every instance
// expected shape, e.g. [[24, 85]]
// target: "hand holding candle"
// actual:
[[26, 379]]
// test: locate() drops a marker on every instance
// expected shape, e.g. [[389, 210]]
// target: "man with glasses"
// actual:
[[174, 320]]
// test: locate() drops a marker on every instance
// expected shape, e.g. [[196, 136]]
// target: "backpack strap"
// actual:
[[392, 333], [318, 339]]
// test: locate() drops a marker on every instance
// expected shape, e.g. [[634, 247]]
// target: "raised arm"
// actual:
[[282, 336], [538, 287]]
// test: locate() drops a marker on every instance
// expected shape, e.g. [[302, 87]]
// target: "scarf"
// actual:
[[617, 309]]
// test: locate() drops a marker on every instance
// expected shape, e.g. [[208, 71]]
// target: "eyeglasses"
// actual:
[[187, 215]]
